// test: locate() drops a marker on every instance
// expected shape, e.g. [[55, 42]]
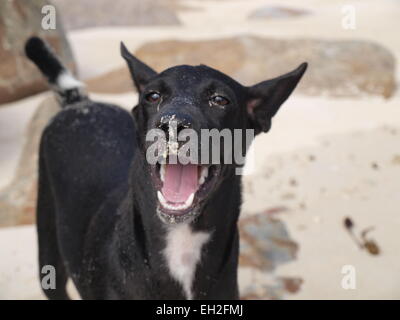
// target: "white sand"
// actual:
[[18, 263], [340, 182], [345, 135]]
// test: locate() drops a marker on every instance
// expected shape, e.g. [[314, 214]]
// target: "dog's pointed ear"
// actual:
[[140, 72], [265, 98]]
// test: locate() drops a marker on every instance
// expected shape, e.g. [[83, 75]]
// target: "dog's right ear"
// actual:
[[140, 72]]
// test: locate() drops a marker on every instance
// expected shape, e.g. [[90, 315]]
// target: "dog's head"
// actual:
[[181, 105]]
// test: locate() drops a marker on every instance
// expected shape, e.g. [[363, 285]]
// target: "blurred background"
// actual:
[[321, 217]]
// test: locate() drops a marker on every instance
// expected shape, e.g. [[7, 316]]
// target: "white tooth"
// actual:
[[204, 172], [203, 175], [189, 201], [162, 172], [201, 180], [161, 198]]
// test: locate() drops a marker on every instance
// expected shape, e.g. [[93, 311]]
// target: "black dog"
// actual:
[[123, 228]]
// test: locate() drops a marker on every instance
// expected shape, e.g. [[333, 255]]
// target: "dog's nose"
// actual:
[[175, 122]]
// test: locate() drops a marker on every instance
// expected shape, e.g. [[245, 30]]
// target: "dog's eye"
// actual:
[[219, 101], [153, 96]]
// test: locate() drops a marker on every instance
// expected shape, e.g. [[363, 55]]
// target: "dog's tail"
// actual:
[[68, 89]]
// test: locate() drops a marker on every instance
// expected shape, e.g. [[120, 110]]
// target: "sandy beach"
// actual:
[[325, 158]]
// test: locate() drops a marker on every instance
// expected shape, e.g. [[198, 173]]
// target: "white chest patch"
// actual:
[[183, 253]]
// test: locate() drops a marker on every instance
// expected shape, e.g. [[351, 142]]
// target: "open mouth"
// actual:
[[181, 188]]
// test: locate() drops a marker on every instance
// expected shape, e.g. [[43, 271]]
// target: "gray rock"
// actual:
[[271, 12], [79, 14], [20, 19], [265, 244]]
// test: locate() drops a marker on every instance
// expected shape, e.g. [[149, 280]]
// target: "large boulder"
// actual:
[[20, 19], [336, 68], [18, 199], [119, 13]]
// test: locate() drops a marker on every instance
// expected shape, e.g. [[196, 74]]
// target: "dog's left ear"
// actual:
[[140, 72], [265, 98]]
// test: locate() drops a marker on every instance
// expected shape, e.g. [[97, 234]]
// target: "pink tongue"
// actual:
[[180, 181]]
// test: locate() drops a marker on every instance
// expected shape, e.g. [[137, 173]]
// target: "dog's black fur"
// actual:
[[98, 217]]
